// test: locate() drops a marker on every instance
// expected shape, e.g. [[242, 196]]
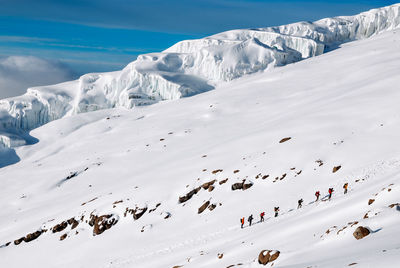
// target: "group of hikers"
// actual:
[[299, 205]]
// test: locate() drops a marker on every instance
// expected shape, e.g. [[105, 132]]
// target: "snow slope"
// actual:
[[339, 109], [190, 67]]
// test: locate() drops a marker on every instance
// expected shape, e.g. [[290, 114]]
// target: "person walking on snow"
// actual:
[[250, 219], [300, 203], [242, 222], [276, 209], [345, 187], [317, 194], [262, 216], [330, 191]]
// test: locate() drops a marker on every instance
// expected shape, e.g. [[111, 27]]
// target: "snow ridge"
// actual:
[[190, 67]]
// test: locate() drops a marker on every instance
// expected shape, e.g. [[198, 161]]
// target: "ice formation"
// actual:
[[189, 67]]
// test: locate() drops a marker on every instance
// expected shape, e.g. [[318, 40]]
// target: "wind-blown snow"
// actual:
[[191, 67], [340, 109]]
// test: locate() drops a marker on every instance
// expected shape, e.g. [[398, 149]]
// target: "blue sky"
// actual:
[[105, 35]]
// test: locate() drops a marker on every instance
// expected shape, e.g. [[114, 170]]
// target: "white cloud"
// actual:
[[17, 73]]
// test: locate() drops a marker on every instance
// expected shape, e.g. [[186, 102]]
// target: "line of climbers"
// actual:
[[299, 205]]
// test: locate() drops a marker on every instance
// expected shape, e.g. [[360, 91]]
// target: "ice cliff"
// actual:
[[187, 68]]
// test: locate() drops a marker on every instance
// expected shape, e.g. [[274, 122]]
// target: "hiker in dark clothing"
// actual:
[[300, 203], [330, 191], [317, 194], [242, 222], [345, 187], [250, 219], [276, 209], [262, 216]]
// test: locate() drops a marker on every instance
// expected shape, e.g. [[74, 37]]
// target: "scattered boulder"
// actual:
[[216, 171], [284, 140], [59, 227], [361, 232], [203, 207], [247, 186], [33, 236], [102, 223], [223, 181], [137, 213], [237, 186], [208, 184], [189, 195], [267, 256], [19, 241], [336, 168], [371, 201], [236, 171], [63, 237], [220, 255], [264, 177], [212, 206], [73, 222]]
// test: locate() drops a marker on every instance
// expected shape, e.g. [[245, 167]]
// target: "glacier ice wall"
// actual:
[[189, 67]]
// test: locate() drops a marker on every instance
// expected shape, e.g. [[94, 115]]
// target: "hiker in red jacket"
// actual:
[[262, 216], [330, 191], [242, 222], [317, 194]]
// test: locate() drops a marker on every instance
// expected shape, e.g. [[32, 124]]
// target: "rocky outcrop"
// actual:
[[267, 256], [361, 232], [371, 201]]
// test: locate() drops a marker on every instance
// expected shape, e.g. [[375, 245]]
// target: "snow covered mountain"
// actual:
[[187, 68], [165, 185]]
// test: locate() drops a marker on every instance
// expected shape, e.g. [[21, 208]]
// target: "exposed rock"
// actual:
[[371, 201], [223, 181], [189, 195], [136, 213], [212, 206], [220, 255], [203, 207], [33, 236], [211, 188], [102, 223], [394, 205], [73, 222], [59, 227], [247, 186], [361, 232], [216, 171], [336, 168], [237, 186], [208, 184], [265, 176], [284, 140], [267, 256], [19, 241], [283, 176], [236, 171], [63, 237]]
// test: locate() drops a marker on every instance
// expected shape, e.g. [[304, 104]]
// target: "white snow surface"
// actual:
[[341, 108], [191, 67]]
